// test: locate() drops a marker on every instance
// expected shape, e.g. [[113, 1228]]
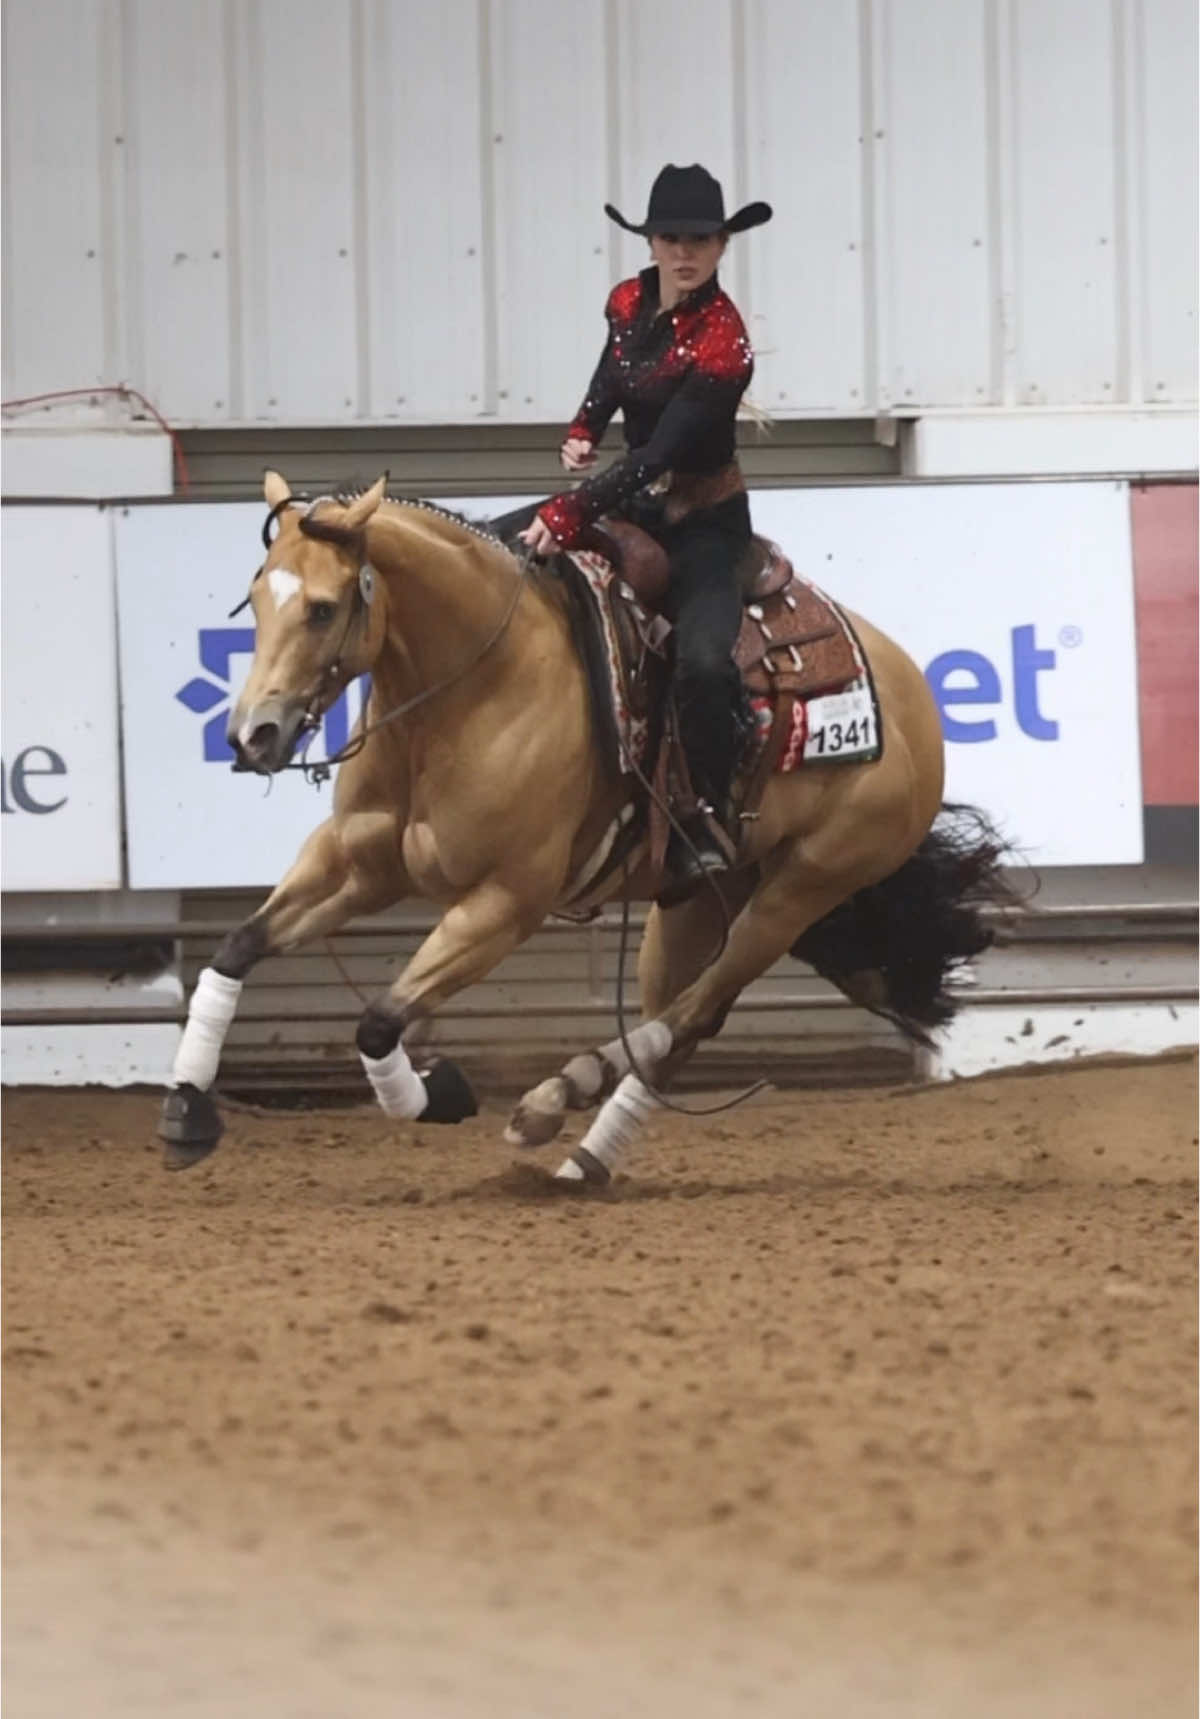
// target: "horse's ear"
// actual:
[[361, 509], [275, 489]]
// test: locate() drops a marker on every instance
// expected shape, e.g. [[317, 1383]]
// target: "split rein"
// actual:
[[332, 678]]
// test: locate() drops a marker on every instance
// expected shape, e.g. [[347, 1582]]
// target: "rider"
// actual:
[[677, 362]]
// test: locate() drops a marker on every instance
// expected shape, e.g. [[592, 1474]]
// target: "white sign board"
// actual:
[[60, 798], [1016, 600], [190, 822]]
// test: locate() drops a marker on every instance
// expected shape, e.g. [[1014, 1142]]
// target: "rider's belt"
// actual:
[[691, 490]]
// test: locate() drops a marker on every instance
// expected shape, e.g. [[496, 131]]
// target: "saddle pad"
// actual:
[[628, 633]]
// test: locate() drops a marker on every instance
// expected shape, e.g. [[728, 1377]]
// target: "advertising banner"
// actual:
[[1015, 599], [60, 798], [189, 820]]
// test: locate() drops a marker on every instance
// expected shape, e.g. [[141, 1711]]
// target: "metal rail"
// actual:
[[1137, 911], [1079, 994]]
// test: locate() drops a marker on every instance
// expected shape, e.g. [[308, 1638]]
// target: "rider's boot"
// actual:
[[705, 846], [701, 848]]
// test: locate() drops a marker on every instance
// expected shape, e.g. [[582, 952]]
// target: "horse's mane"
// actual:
[[346, 537]]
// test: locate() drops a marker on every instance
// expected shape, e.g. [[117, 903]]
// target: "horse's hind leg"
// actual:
[[775, 915], [677, 944], [320, 893]]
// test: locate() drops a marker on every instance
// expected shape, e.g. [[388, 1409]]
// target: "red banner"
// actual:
[[1165, 522]]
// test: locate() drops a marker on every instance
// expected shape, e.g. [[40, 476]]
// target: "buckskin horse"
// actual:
[[482, 778]]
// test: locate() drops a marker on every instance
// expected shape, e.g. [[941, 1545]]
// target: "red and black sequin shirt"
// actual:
[[677, 376]]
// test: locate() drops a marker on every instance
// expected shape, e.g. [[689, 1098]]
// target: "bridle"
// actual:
[[332, 678]]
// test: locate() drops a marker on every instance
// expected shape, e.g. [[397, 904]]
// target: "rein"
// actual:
[[318, 703]]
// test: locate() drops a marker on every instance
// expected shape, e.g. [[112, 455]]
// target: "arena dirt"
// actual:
[[843, 1404]]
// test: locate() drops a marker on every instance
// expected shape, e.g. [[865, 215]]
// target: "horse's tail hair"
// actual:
[[893, 947]]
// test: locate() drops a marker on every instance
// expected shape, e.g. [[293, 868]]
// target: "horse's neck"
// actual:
[[447, 589]]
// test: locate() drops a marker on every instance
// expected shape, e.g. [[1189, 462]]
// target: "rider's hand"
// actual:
[[539, 538], [577, 453]]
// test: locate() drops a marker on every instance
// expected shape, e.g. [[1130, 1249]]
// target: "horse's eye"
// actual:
[[320, 614]]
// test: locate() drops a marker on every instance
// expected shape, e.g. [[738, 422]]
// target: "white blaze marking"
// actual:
[[284, 585]]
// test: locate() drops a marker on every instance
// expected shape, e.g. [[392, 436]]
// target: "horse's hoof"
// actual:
[[540, 1114], [448, 1094], [190, 1127], [184, 1157], [582, 1167]]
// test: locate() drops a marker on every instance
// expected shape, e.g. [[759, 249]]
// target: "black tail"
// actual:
[[893, 946]]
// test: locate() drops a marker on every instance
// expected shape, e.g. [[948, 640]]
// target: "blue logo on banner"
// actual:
[[960, 678], [212, 692], [957, 678]]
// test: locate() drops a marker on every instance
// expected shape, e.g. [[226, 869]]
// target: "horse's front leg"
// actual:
[[324, 888], [470, 939]]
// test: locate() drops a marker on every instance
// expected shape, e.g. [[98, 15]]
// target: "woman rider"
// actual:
[[677, 362]]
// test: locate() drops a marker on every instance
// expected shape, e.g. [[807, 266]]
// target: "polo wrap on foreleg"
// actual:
[[213, 1006], [398, 1087]]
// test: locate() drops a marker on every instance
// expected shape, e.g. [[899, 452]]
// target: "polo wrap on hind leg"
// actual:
[[584, 1080], [212, 1008], [397, 1085], [620, 1119]]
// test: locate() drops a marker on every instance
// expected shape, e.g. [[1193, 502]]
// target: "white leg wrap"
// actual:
[[398, 1087], [213, 1005], [649, 1043], [619, 1119]]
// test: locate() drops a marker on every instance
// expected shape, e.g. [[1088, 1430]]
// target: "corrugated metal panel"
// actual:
[[1164, 251], [931, 205], [424, 274], [806, 272], [179, 281], [298, 209], [1065, 145], [547, 147], [57, 241], [388, 210]]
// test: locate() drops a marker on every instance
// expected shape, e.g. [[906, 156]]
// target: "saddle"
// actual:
[[794, 648]]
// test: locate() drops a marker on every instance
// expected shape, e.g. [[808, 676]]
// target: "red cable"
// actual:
[[125, 393]]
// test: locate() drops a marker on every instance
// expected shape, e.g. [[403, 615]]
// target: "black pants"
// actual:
[[704, 606]]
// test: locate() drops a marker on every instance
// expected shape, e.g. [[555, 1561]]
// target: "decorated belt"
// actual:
[[688, 491]]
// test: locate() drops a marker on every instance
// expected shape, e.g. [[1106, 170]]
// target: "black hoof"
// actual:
[[190, 1127], [595, 1173], [450, 1098]]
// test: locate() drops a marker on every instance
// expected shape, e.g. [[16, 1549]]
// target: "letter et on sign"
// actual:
[[963, 678], [17, 793]]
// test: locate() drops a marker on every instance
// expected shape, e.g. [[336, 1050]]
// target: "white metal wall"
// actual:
[[347, 211]]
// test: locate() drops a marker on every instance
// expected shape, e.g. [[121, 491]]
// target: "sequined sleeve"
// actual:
[[708, 397], [602, 397]]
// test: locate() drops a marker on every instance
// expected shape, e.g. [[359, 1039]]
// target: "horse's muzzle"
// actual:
[[265, 738]]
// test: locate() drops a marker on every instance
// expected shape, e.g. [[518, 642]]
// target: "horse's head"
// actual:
[[318, 611]]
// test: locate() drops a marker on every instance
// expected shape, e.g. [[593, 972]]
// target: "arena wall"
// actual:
[[340, 236]]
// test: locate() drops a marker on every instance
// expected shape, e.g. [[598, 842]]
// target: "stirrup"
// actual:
[[707, 852]]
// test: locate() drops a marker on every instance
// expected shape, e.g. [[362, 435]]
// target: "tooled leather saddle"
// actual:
[[794, 645]]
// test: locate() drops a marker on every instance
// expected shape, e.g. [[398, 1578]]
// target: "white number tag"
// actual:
[[842, 726]]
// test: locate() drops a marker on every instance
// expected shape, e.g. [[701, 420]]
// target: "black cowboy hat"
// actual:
[[689, 200]]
